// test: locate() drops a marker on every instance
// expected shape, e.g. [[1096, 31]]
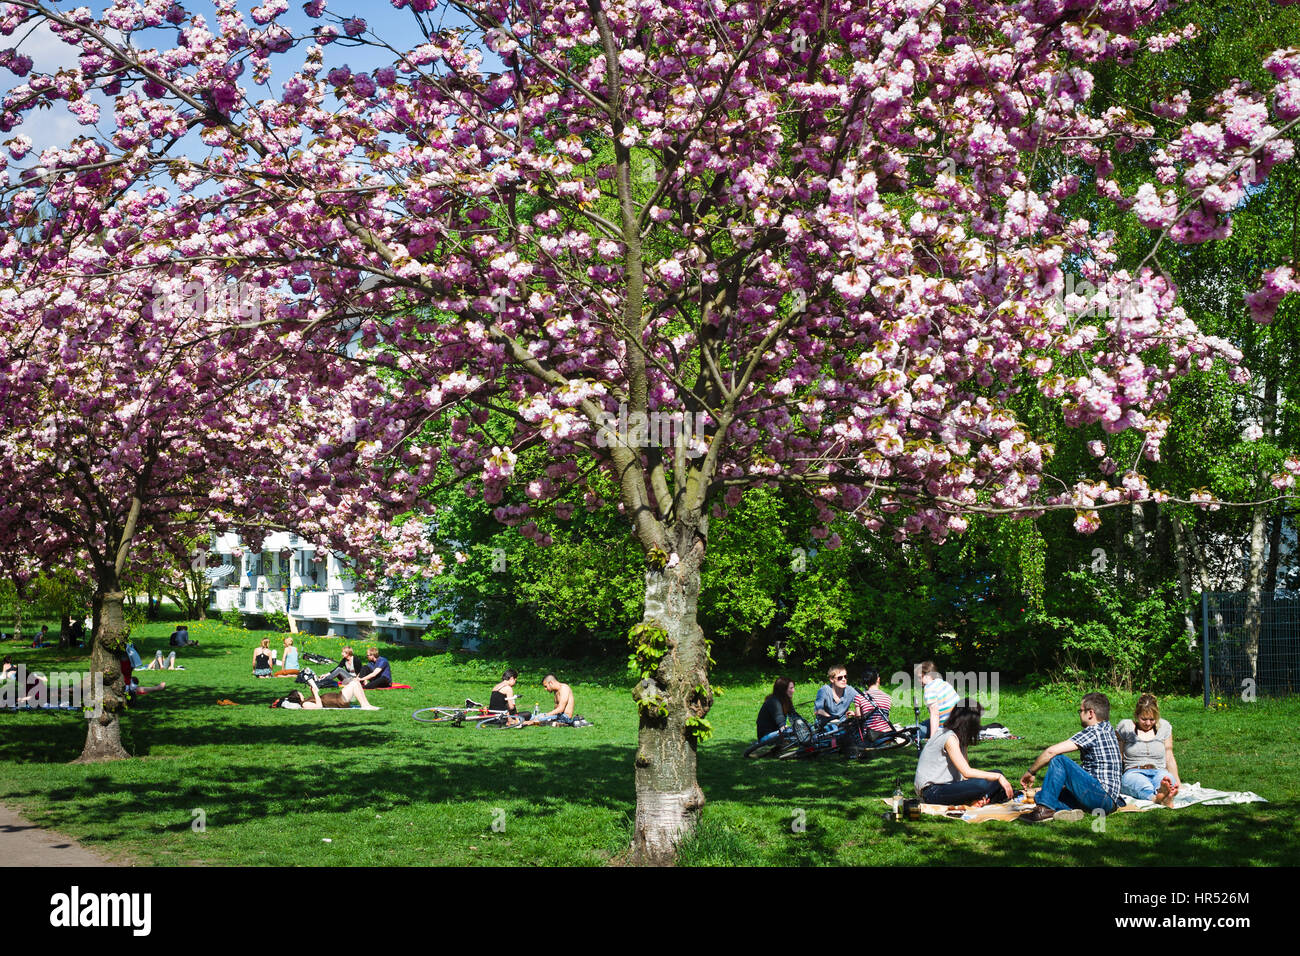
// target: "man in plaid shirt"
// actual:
[[1069, 789]]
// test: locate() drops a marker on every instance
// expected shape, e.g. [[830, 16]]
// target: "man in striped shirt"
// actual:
[[873, 703], [940, 698]]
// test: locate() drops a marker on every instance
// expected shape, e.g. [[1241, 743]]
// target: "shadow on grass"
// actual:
[[251, 763]]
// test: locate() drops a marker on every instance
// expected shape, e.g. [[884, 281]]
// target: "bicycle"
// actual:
[[472, 713], [799, 733]]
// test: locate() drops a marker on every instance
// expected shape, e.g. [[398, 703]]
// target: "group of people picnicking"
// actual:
[[1134, 759]]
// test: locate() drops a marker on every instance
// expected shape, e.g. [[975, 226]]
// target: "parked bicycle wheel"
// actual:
[[454, 716], [769, 746]]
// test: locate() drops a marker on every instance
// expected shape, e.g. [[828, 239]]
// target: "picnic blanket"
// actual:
[[1189, 794], [393, 687]]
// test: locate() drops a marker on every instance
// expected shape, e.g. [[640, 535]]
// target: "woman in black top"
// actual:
[[503, 697], [777, 708]]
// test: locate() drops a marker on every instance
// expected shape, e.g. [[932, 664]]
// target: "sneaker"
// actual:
[[1040, 814], [1071, 816]]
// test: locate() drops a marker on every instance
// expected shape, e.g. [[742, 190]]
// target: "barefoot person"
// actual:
[[562, 712], [1146, 745], [1071, 788], [344, 697], [945, 776]]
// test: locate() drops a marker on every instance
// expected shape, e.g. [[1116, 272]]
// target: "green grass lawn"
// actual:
[[351, 787]]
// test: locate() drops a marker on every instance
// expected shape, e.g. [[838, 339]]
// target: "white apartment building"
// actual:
[[315, 588]]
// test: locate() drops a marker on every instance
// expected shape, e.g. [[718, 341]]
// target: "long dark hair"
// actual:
[[964, 722], [781, 691]]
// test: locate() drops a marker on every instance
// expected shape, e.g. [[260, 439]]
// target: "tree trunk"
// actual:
[[108, 648], [1259, 540], [1140, 557], [1184, 580], [677, 691], [19, 595], [1255, 586], [1274, 547]]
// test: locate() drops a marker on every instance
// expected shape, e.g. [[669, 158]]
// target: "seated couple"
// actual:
[[504, 699], [374, 671]]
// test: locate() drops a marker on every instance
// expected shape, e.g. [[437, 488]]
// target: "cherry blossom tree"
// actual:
[[699, 245]]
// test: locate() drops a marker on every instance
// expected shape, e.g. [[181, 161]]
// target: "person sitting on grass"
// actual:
[[376, 671], [290, 668], [348, 670], [1146, 746], [1069, 789], [562, 712], [503, 698], [939, 698], [873, 703], [8, 670], [777, 709], [180, 637], [945, 776], [263, 659], [342, 698], [835, 697]]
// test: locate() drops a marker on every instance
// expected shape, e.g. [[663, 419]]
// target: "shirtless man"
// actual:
[[562, 713]]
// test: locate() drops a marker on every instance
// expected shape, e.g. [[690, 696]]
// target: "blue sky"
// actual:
[[57, 127]]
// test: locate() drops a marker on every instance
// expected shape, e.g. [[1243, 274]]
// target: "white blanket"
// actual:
[[1193, 793]]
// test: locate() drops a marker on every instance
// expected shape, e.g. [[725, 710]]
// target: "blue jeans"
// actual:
[[1143, 783], [1067, 786], [964, 791]]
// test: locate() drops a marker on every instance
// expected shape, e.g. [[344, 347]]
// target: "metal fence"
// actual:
[[1242, 656]]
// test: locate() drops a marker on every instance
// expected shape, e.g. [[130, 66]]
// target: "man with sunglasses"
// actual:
[[835, 698], [1069, 789]]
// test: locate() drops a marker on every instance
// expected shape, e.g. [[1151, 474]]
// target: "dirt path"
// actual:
[[23, 843]]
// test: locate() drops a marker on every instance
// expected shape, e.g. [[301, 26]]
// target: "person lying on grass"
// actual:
[[1146, 745], [159, 664], [342, 698], [944, 775]]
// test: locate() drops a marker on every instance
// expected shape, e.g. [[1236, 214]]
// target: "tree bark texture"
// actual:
[[668, 799], [1184, 580], [108, 648]]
